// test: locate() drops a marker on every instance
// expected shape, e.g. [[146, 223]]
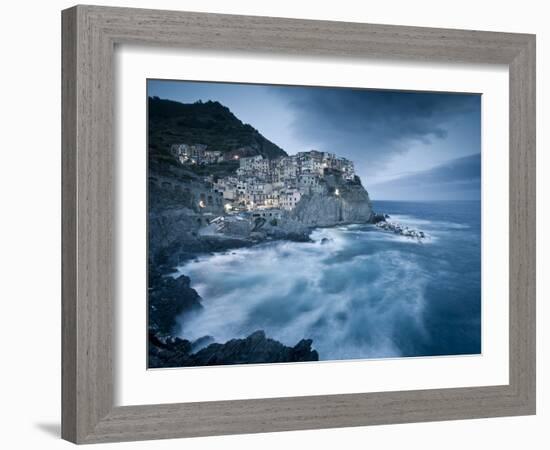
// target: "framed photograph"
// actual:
[[278, 224]]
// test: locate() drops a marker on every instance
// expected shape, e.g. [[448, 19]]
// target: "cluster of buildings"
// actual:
[[196, 154], [261, 183]]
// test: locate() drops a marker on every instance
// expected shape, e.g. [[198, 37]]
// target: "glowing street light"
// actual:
[[202, 204], [337, 193]]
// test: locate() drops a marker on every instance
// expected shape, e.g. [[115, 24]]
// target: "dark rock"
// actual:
[[201, 342], [325, 241], [377, 218], [255, 349], [259, 222], [167, 352], [401, 230], [169, 298], [302, 351]]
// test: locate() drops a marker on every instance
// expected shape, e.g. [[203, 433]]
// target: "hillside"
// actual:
[[208, 123]]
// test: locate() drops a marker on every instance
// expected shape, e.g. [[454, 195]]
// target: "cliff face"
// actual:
[[174, 217], [348, 203]]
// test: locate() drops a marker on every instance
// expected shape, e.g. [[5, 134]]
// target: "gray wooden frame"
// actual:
[[90, 34]]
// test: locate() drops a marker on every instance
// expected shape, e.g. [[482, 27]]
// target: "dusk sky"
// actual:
[[405, 145]]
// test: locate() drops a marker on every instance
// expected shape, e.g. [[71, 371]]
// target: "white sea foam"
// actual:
[[351, 298], [431, 224]]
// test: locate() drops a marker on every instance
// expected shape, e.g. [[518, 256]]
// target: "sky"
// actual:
[[405, 145]]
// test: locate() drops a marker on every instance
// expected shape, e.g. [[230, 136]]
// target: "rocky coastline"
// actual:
[[189, 216], [256, 348], [171, 298], [401, 230], [180, 234], [179, 231]]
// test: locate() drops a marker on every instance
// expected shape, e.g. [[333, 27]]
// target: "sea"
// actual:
[[357, 291]]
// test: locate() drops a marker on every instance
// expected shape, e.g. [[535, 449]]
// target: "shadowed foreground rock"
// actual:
[[168, 298], [255, 349]]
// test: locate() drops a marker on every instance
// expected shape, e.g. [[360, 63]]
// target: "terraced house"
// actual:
[[261, 183]]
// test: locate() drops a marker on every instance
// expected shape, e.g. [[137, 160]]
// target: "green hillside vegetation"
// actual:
[[208, 123]]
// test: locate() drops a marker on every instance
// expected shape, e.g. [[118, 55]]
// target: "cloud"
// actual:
[[375, 124], [385, 133], [459, 179]]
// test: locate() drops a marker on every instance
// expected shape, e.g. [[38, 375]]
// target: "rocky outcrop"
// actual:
[[401, 230], [378, 218], [255, 349], [175, 237], [286, 228], [250, 230], [345, 203], [169, 298]]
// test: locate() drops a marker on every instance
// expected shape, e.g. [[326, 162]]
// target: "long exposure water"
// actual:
[[363, 293]]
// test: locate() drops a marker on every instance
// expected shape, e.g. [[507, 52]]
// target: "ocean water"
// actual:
[[366, 293]]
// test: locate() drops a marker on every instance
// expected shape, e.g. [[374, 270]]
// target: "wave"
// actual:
[[431, 224], [349, 291]]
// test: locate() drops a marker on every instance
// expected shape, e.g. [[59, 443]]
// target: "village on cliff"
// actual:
[[267, 184]]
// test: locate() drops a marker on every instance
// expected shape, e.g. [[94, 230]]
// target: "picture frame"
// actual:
[[89, 37]]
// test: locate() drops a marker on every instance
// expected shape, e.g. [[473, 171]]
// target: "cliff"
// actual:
[[174, 212], [187, 217], [346, 202], [180, 202]]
